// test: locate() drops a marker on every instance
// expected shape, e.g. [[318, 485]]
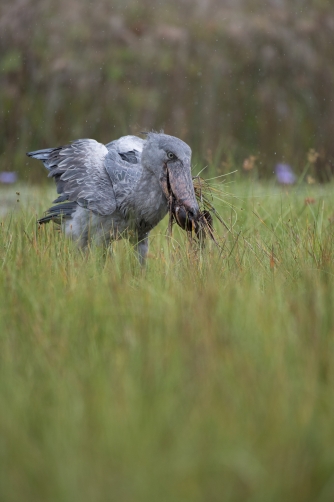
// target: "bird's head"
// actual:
[[169, 159]]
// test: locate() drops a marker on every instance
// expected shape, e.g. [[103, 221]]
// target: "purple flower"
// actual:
[[284, 174], [8, 177]]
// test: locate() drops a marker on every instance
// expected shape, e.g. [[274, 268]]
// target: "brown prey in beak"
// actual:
[[178, 187]]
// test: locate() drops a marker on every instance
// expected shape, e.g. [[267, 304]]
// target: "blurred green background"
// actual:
[[232, 78]]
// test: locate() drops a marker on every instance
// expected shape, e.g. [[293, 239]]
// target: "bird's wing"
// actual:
[[126, 144], [124, 176], [128, 147], [123, 164], [80, 174], [90, 174]]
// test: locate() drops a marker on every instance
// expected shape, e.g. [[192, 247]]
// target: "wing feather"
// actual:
[[80, 169], [124, 177], [97, 177], [80, 175]]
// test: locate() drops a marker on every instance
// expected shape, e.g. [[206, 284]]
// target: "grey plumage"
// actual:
[[120, 189], [59, 212]]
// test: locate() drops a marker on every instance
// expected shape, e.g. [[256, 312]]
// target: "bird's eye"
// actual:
[[171, 155]]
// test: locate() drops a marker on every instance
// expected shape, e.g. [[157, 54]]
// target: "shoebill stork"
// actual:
[[119, 190]]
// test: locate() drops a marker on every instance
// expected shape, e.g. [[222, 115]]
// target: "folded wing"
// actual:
[[129, 148]]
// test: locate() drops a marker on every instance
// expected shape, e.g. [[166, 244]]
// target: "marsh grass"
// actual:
[[209, 376]]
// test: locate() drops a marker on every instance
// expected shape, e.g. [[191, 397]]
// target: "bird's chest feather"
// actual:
[[148, 210]]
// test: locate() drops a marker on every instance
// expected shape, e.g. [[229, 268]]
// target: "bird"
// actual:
[[118, 190]]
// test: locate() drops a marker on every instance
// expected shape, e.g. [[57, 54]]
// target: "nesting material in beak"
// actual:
[[189, 204], [201, 225]]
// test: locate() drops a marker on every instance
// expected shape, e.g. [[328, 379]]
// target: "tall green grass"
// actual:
[[208, 376]]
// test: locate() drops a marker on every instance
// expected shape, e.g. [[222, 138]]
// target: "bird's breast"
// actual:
[[150, 211]]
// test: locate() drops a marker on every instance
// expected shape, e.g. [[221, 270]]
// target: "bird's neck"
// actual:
[[148, 200]]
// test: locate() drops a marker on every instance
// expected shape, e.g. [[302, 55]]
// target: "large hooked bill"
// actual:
[[188, 202]]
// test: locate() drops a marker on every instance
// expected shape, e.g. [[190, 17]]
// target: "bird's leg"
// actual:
[[142, 249]]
